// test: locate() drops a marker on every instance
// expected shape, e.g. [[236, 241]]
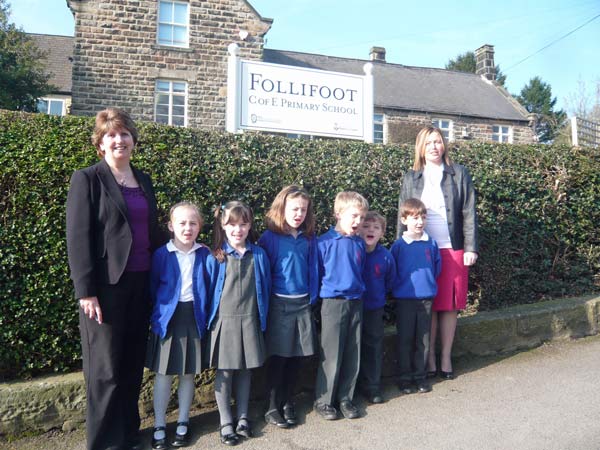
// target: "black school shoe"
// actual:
[[274, 418], [406, 387], [289, 414], [327, 412], [349, 409], [244, 429], [159, 444], [182, 440]]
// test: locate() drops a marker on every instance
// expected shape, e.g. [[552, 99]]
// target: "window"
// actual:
[[502, 133], [173, 24], [378, 128], [53, 106], [447, 127], [170, 106]]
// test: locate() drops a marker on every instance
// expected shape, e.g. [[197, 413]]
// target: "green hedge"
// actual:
[[538, 208]]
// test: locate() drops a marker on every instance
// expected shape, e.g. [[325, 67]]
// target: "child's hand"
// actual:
[[469, 258], [91, 308]]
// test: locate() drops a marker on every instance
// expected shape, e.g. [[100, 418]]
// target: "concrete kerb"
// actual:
[[36, 406]]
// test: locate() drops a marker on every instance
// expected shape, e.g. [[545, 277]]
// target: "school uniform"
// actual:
[[239, 301], [379, 276], [418, 264], [341, 264], [178, 287]]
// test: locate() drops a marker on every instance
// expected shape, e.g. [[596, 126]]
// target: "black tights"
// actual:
[[282, 374]]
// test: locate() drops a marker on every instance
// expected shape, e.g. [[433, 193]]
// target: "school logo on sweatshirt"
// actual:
[[377, 270], [428, 254]]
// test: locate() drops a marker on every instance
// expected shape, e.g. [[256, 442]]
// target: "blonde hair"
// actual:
[[419, 163], [374, 216], [347, 199], [233, 211], [275, 217], [112, 119], [412, 207], [189, 205]]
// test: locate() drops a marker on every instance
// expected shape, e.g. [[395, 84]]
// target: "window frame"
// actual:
[[49, 100], [160, 23], [171, 93], [437, 122], [502, 138], [376, 124]]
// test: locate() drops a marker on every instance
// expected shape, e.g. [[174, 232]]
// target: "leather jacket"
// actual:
[[459, 196]]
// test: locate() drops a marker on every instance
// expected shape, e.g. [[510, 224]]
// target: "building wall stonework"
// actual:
[[117, 59], [402, 127]]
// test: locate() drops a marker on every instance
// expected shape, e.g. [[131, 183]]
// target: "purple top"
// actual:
[[137, 214]]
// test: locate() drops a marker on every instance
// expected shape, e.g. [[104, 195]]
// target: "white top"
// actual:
[[409, 240], [433, 197], [186, 264]]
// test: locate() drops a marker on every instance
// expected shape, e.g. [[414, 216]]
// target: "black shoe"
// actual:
[[349, 410], [231, 438], [159, 444], [327, 412], [431, 374], [446, 375], [244, 429], [289, 414], [182, 440], [375, 398], [274, 418], [423, 386], [407, 387]]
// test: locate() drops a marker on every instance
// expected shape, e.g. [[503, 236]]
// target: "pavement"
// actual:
[[541, 399]]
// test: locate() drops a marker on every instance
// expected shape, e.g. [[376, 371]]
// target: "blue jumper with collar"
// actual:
[[262, 275]]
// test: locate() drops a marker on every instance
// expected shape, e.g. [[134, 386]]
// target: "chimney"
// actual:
[[484, 58], [377, 54]]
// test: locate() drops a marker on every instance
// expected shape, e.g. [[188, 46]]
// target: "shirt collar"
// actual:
[[408, 240], [172, 248]]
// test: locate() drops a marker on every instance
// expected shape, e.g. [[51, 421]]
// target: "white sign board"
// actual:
[[288, 99]]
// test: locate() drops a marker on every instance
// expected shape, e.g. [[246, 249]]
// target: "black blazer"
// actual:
[[98, 233]]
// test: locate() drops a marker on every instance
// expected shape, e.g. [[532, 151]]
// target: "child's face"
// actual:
[[348, 221], [415, 224], [295, 211], [371, 231], [185, 225], [236, 233]]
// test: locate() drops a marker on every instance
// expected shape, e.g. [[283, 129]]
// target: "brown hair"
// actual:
[[112, 119], [345, 199], [419, 163], [374, 216], [275, 217], [233, 211], [412, 207]]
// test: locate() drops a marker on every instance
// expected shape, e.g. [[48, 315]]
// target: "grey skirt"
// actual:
[[180, 352], [291, 329], [237, 342]]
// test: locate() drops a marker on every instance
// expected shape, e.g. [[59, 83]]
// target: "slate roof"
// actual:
[[418, 89], [59, 59]]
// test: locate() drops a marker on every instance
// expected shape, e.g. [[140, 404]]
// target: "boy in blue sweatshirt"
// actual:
[[379, 273], [342, 257], [418, 264]]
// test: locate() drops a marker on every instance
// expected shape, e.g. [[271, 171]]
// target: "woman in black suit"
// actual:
[[112, 229]]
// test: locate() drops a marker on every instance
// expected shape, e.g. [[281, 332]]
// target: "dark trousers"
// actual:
[[413, 325], [339, 350], [281, 375], [371, 351], [113, 361]]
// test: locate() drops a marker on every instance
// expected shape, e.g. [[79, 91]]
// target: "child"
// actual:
[[418, 264], [291, 246], [341, 262], [178, 288], [379, 275], [239, 291]]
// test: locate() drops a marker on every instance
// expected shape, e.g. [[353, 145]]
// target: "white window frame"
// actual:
[[378, 121], [173, 25], [439, 122], [49, 101], [171, 93], [500, 135]]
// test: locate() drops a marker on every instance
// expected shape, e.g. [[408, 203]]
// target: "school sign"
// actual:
[[286, 99]]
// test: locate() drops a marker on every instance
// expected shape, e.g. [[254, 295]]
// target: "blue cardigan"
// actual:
[[262, 275], [165, 288], [270, 242]]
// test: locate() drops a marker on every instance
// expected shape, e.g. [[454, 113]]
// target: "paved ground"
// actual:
[[546, 399]]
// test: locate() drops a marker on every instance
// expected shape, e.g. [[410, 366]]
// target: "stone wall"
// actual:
[[117, 59], [402, 127]]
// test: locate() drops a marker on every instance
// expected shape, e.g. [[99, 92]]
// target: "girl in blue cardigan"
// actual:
[[178, 286], [240, 281]]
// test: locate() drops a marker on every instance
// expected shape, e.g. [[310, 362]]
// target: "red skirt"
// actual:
[[453, 282]]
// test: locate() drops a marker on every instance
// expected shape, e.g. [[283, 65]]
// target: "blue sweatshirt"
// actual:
[[341, 264], [379, 273], [418, 264]]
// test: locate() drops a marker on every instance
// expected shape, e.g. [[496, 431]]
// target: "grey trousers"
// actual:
[[413, 326], [371, 351], [339, 350]]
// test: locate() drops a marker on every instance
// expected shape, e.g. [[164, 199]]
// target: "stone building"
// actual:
[[166, 61]]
